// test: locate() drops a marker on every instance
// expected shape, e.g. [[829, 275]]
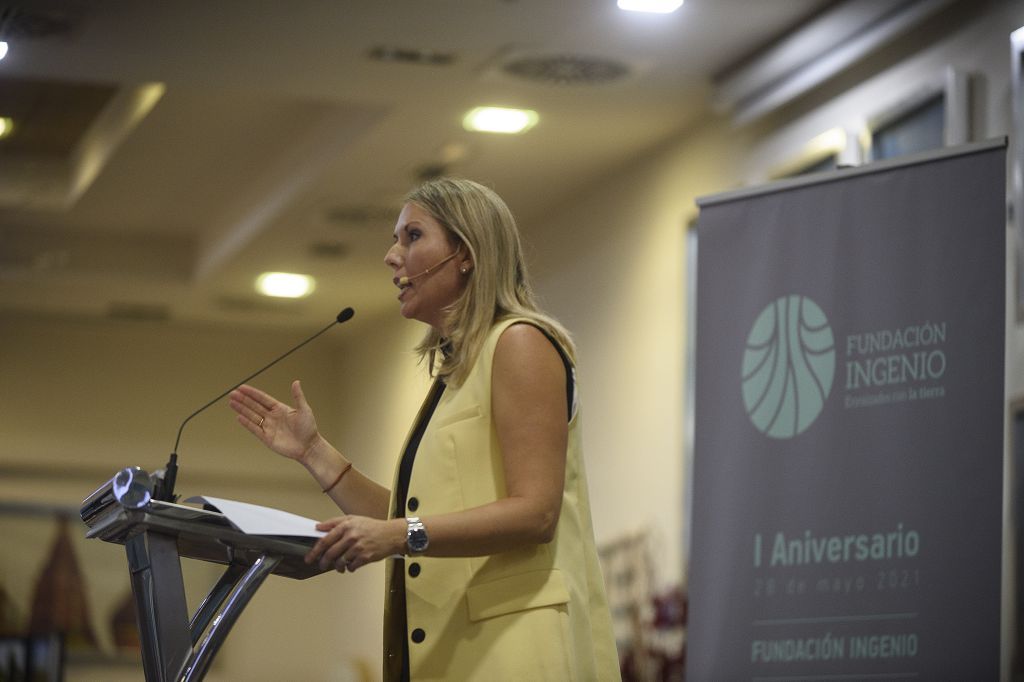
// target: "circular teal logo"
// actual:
[[788, 366]]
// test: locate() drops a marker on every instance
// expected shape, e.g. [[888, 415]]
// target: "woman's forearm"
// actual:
[[354, 493], [500, 526]]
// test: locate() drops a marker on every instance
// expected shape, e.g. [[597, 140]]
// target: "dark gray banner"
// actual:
[[847, 477]]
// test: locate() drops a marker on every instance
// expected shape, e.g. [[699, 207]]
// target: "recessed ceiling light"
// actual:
[[500, 120], [6, 127], [652, 6], [285, 284], [3, 49]]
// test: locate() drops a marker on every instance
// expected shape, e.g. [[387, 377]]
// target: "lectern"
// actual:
[[155, 535]]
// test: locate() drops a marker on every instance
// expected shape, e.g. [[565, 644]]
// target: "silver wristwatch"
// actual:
[[416, 540]]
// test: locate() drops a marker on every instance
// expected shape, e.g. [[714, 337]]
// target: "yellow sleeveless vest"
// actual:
[[536, 613]]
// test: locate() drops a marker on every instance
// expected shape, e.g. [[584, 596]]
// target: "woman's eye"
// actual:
[[414, 235]]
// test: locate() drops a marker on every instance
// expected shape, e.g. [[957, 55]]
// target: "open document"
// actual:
[[253, 519]]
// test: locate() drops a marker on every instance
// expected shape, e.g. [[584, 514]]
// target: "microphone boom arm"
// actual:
[[166, 492]]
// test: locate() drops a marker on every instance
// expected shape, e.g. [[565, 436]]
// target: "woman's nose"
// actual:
[[392, 258]]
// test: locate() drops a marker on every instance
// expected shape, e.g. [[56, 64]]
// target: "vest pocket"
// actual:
[[516, 593]]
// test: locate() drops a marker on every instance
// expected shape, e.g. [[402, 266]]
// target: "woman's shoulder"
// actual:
[[522, 336], [528, 358], [523, 347]]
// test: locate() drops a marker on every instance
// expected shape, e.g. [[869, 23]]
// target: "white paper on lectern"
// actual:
[[253, 519]]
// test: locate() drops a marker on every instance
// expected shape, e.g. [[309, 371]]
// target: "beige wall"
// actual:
[[612, 268], [81, 399]]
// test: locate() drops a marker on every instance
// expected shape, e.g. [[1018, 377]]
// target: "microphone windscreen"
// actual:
[[345, 315]]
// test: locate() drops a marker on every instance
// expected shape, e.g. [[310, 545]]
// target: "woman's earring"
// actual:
[[464, 270]]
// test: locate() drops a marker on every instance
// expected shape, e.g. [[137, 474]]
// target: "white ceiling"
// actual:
[[273, 131]]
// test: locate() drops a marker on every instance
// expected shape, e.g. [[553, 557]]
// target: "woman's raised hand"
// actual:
[[288, 431]]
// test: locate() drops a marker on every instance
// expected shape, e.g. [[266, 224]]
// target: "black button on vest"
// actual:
[[414, 569], [414, 504], [418, 635]]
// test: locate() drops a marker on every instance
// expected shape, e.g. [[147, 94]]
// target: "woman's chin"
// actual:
[[408, 311]]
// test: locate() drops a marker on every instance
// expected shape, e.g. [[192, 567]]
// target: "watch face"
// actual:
[[417, 540]]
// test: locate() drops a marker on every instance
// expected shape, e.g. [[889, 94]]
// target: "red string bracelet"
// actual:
[[344, 470]]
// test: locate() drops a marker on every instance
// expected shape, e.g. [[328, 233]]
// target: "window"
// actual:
[[917, 130]]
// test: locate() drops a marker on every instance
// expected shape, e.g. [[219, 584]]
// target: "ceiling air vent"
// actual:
[[566, 69], [360, 216], [330, 249], [243, 304], [139, 312], [430, 171], [410, 55], [24, 22]]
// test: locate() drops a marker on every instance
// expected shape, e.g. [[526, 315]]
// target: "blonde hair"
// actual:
[[498, 287]]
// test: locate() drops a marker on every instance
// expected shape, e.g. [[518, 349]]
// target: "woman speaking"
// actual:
[[489, 508]]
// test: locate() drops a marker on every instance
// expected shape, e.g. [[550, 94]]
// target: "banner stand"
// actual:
[[848, 407]]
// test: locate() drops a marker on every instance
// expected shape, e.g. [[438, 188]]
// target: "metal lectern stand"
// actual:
[[155, 534]]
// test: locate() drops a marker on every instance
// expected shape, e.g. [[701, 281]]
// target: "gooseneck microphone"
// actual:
[[165, 491], [404, 281]]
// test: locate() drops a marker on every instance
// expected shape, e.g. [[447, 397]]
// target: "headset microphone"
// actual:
[[405, 281]]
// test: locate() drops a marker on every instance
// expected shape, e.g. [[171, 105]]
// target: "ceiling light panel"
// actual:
[[285, 285], [500, 120], [651, 6]]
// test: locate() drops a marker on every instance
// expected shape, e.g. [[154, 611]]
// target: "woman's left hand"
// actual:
[[354, 541]]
